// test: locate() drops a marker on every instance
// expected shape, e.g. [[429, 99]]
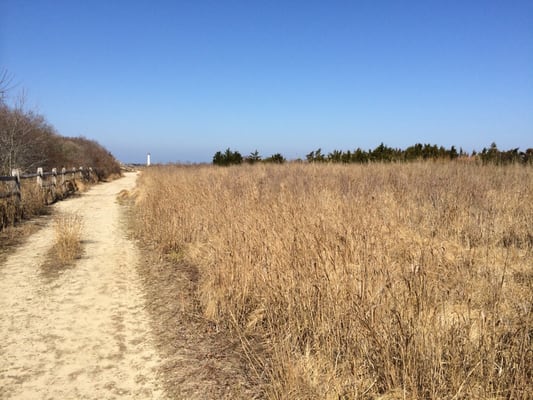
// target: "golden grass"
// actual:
[[13, 210], [359, 281], [67, 244], [34, 200]]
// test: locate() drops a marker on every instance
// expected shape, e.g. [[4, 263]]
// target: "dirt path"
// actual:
[[85, 334]]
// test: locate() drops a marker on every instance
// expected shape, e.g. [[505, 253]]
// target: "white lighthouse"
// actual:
[[148, 160]]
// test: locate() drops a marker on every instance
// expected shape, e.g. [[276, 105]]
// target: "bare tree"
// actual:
[[6, 81], [23, 135], [28, 141]]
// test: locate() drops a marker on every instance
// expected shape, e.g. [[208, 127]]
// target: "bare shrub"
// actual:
[[359, 281]]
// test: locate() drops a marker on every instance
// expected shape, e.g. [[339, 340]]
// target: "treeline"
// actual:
[[230, 157], [28, 141], [383, 153]]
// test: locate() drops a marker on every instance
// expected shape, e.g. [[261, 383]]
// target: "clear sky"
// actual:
[[183, 79]]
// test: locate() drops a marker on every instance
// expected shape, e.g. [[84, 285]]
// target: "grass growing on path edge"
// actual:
[[67, 247], [198, 361]]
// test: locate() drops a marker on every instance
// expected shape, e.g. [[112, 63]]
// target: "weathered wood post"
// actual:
[[63, 181], [16, 189], [54, 176], [54, 184], [40, 177]]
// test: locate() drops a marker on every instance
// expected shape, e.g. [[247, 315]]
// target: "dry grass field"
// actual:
[[359, 281]]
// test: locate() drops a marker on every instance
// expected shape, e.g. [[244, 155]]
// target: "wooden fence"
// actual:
[[53, 183]]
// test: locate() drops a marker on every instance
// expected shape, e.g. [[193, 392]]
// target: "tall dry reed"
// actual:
[[359, 281]]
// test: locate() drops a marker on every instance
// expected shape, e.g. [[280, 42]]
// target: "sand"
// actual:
[[83, 332]]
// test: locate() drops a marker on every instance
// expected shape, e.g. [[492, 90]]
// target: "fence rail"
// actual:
[[53, 183]]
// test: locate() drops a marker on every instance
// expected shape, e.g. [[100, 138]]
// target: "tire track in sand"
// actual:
[[85, 334]]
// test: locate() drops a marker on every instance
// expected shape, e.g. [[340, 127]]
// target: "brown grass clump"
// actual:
[[67, 246], [33, 200], [359, 281], [13, 210]]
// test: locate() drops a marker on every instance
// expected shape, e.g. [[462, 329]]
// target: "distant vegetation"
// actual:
[[28, 141], [230, 157], [383, 153]]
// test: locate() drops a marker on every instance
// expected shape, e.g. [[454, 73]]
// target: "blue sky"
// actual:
[[183, 79]]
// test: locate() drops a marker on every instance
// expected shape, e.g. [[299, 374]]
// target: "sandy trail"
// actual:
[[83, 334]]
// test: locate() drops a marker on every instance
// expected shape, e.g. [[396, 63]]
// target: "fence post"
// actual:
[[16, 173], [40, 177], [54, 176], [54, 184]]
